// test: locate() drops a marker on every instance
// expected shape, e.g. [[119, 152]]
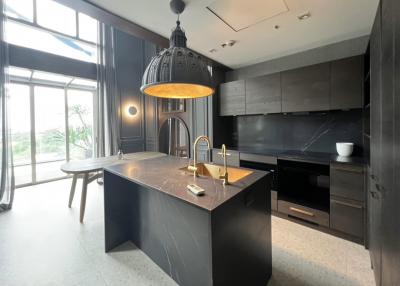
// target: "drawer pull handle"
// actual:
[[302, 211], [346, 204]]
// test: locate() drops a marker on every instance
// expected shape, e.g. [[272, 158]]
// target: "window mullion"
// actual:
[[33, 132], [34, 12], [67, 151]]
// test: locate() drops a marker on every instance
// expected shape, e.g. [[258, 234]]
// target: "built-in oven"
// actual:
[[304, 191], [270, 167]]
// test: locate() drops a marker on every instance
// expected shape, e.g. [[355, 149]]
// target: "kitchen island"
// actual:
[[220, 238]]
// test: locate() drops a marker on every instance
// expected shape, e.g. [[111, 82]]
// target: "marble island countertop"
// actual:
[[163, 174]]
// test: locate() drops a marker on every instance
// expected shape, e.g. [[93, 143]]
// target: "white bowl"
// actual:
[[344, 149]]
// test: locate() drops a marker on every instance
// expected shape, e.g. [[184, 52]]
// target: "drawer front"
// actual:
[[274, 200], [304, 213], [347, 182], [258, 158], [231, 160], [347, 216]]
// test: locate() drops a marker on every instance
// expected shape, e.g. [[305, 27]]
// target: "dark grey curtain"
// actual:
[[108, 110], [7, 185]]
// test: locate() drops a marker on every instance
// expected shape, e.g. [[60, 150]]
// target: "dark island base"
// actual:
[[230, 245]]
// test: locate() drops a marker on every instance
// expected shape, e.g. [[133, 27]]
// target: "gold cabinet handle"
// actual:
[[302, 211]]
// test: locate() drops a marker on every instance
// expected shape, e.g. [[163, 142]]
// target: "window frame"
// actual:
[[31, 83], [35, 24]]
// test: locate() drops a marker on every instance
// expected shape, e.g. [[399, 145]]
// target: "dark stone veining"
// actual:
[[222, 238], [163, 174]]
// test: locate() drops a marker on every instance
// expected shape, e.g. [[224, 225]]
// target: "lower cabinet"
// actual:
[[347, 216], [305, 213]]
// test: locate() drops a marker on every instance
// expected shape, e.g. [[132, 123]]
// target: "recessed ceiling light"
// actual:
[[229, 43], [212, 50], [276, 27], [304, 16]]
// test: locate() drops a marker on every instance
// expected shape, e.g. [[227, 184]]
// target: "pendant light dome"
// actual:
[[177, 72]]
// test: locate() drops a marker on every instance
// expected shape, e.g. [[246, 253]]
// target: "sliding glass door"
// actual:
[[50, 124]]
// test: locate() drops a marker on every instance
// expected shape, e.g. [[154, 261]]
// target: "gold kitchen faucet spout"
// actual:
[[196, 142]]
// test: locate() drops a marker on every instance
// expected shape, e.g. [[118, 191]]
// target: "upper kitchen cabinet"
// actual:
[[232, 98], [263, 94], [306, 89], [347, 83]]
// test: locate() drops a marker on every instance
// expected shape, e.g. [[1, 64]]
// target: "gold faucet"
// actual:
[[194, 167], [224, 177]]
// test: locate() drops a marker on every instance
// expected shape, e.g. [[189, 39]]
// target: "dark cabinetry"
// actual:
[[347, 83], [347, 181], [384, 195], [232, 98], [263, 94], [347, 199], [306, 89], [327, 86]]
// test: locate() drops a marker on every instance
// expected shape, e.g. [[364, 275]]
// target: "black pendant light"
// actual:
[[177, 72]]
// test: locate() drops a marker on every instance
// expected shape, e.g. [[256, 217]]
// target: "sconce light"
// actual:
[[131, 111]]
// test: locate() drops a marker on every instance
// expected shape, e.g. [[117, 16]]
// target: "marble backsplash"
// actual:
[[317, 132]]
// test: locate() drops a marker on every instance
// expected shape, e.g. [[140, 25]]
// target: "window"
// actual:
[[55, 16], [53, 122], [20, 9], [56, 29]]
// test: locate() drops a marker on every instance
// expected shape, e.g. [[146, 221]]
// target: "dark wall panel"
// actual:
[[310, 132], [129, 63]]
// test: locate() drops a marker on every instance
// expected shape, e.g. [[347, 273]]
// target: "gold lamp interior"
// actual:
[[178, 90]]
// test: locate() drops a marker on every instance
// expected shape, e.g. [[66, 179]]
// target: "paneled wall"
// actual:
[[138, 132]]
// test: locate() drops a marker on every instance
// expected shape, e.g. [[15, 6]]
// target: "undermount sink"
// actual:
[[215, 171]]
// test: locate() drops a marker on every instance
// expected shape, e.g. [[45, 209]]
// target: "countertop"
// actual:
[[317, 157], [163, 174]]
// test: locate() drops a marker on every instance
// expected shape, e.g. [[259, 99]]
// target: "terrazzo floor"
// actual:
[[42, 243]]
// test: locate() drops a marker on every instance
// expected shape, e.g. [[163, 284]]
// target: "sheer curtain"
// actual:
[[107, 115], [7, 185]]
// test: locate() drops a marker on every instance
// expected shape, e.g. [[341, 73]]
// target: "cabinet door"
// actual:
[[347, 83], [390, 94], [232, 98], [347, 181], [347, 216], [263, 94], [306, 89], [374, 229]]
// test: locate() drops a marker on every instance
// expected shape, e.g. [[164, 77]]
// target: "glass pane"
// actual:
[[50, 124], [57, 17], [85, 82], [51, 77], [80, 120], [87, 28], [19, 72], [47, 171], [20, 131], [20, 9], [30, 37], [23, 174]]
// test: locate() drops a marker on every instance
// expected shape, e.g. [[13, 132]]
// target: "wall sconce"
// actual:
[[131, 110]]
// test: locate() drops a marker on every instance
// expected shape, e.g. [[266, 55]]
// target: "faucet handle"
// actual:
[[227, 154]]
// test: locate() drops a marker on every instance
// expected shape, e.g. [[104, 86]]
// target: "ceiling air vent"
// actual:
[[239, 15]]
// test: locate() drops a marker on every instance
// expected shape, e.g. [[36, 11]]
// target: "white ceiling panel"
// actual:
[[331, 21]]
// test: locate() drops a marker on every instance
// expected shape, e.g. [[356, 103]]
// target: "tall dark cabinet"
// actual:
[[384, 184]]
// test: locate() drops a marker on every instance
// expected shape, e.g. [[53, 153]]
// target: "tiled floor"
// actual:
[[42, 243]]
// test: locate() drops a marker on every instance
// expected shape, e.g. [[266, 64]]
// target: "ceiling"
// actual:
[[257, 38]]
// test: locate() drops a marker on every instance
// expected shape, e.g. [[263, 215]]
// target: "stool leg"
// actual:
[[83, 196], [72, 192]]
